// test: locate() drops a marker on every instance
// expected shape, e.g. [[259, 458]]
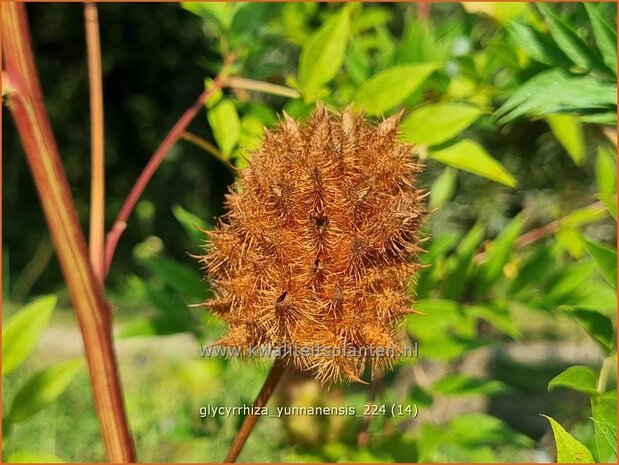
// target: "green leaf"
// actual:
[[461, 385], [42, 389], [190, 223], [572, 45], [539, 264], [225, 124], [179, 277], [459, 276], [221, 12], [497, 317], [480, 428], [609, 432], [469, 156], [557, 91], [606, 176], [24, 456], [443, 188], [323, 54], [569, 133], [439, 122], [498, 254], [569, 449], [598, 326], [605, 258], [605, 34], [579, 378], [604, 411], [21, 331], [392, 86], [537, 45], [606, 172]]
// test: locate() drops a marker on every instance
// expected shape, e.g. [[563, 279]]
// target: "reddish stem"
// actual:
[[28, 110], [149, 170]]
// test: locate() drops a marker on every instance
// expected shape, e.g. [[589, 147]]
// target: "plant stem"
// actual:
[[97, 179], [261, 86], [607, 365], [275, 374], [149, 170], [206, 146], [28, 110], [537, 234]]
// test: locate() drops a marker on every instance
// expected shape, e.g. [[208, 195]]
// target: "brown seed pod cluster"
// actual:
[[317, 249]]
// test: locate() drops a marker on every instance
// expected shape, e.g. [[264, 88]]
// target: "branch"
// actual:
[[172, 137], [261, 86], [275, 374], [537, 234], [28, 110], [97, 179], [206, 146]]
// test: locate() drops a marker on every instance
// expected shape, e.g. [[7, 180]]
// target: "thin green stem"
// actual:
[[607, 366], [261, 86]]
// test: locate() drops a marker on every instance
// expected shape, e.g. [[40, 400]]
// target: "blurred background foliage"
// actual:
[[513, 109]]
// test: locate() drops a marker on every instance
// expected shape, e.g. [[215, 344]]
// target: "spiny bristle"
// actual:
[[319, 243]]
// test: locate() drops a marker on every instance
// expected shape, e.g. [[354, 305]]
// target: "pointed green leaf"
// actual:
[[569, 133], [498, 254], [609, 432], [569, 449], [598, 326], [392, 86], [557, 91], [606, 172], [537, 45], [604, 412], [579, 378], [21, 331], [437, 123], [323, 54], [182, 278], [42, 389], [461, 384], [23, 456], [567, 39], [225, 124], [469, 156], [605, 258], [443, 188], [605, 34]]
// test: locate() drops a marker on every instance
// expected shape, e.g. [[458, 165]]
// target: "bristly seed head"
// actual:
[[319, 244]]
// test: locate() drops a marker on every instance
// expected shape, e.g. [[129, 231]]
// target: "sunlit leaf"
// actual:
[[323, 54], [469, 156], [21, 332], [392, 86], [437, 123], [225, 124], [182, 278], [443, 188], [605, 259], [569, 133], [557, 91], [579, 378], [569, 449], [42, 389], [23, 456], [605, 34], [498, 254], [569, 41], [537, 46], [461, 385], [604, 412]]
